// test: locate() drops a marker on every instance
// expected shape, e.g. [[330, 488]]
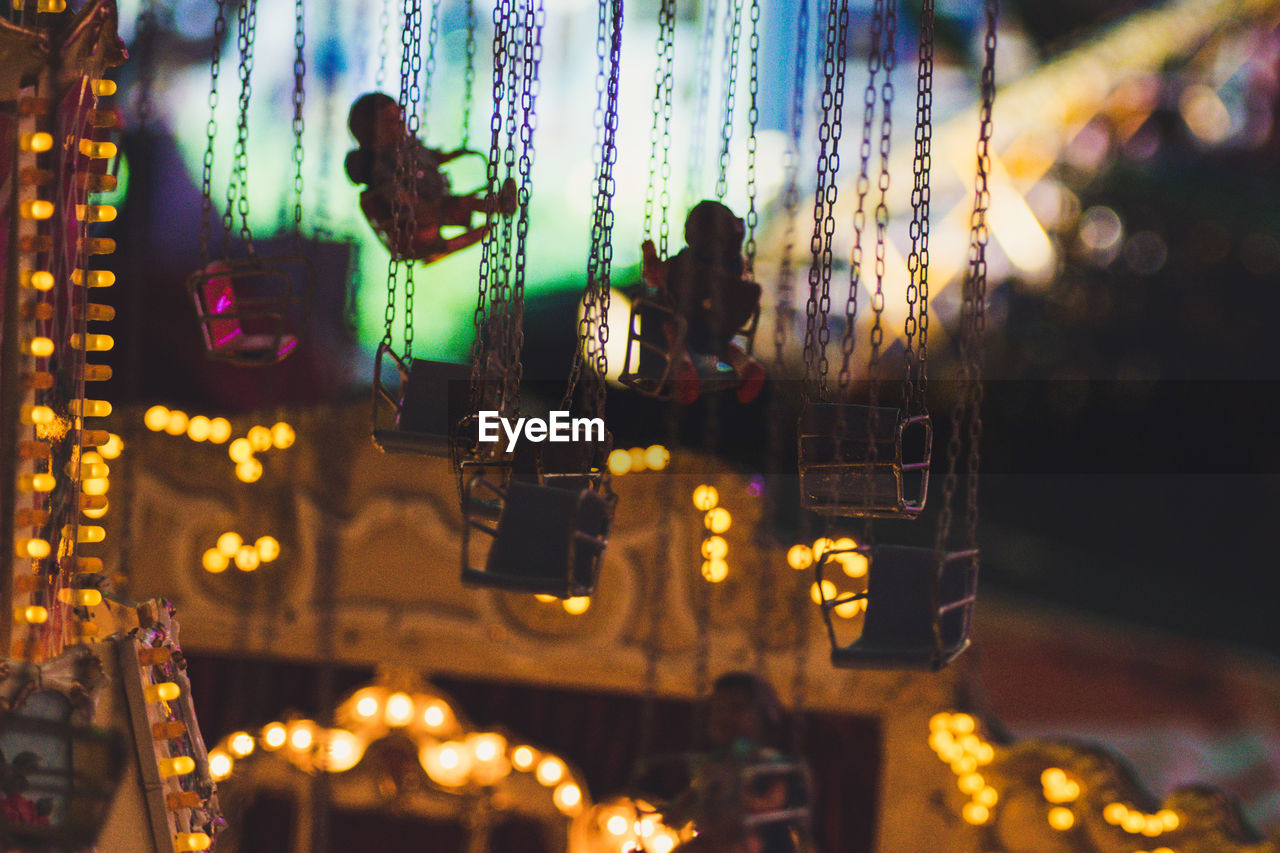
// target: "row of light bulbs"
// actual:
[[655, 457], [232, 548], [242, 451]]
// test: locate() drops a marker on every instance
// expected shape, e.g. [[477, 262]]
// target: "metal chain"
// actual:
[[413, 15], [211, 132], [663, 87], [403, 176], [753, 117], [791, 195], [692, 181], [238, 186], [299, 100], [469, 76], [817, 332], [882, 207], [429, 62], [500, 293], [917, 321], [733, 39]]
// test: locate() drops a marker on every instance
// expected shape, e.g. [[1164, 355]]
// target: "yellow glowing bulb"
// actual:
[[987, 797], [187, 842], [985, 753], [546, 599], [214, 561], [619, 462], [41, 347], [717, 519], [1154, 826], [1134, 822], [93, 343], [164, 691], [249, 471], [241, 744], [824, 591], [38, 209], [282, 436], [80, 597], [1053, 778], [34, 549], [37, 415], [705, 497], [97, 150], [247, 559], [656, 457], [1061, 818], [971, 783], [229, 543], [637, 458], [95, 213], [1168, 818], [367, 707], [93, 278], [715, 570], [259, 439], [267, 547], [1161, 850], [156, 418], [177, 766], [113, 448], [342, 751], [301, 738], [177, 424], [219, 430], [822, 546], [550, 770], [577, 605], [522, 757], [487, 746], [399, 709], [1115, 813], [103, 88], [975, 814], [799, 557], [198, 428], [850, 609], [36, 482], [714, 548], [33, 615], [240, 450], [95, 486], [567, 797], [617, 825], [963, 724], [35, 142], [854, 564], [434, 715], [940, 722], [219, 765], [40, 280], [86, 533], [274, 736]]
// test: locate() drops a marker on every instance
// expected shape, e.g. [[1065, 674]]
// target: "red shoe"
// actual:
[[507, 197], [751, 381], [686, 382]]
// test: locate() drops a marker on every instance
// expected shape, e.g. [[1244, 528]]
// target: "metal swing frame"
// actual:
[[421, 405], [252, 330], [924, 616]]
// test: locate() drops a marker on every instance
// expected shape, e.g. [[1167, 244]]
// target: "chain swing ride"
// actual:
[[251, 309]]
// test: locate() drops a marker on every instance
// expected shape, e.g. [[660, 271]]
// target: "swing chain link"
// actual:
[[889, 61], [299, 101], [238, 185], [916, 325], [211, 132], [733, 39], [753, 118], [413, 44], [663, 85], [791, 195]]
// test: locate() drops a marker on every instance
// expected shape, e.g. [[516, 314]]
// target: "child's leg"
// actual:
[[750, 372]]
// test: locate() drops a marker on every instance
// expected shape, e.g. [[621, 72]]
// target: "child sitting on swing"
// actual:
[[389, 162], [708, 288]]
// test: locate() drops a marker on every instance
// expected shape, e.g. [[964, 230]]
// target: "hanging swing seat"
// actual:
[[919, 606], [424, 399], [537, 524], [864, 461], [251, 311]]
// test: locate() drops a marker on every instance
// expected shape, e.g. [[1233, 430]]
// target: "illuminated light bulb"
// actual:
[[449, 764], [41, 280], [844, 543], [259, 439], [301, 738], [522, 757], [92, 343], [717, 519], [822, 546], [37, 482], [434, 715], [854, 564], [342, 751], [1161, 850], [985, 753], [705, 497], [664, 843], [94, 278], [617, 825], [198, 428], [164, 691], [40, 347], [1068, 792], [850, 609], [82, 408], [1061, 818], [35, 142], [229, 543], [240, 450], [33, 549], [550, 771], [656, 457], [282, 436], [86, 533], [637, 458], [177, 423], [156, 418], [714, 548], [1169, 819], [963, 724], [987, 797], [546, 599], [799, 557], [715, 571], [179, 765], [241, 744], [214, 561], [94, 511], [247, 559], [274, 735], [619, 462], [568, 798], [1134, 822], [185, 842], [220, 765], [577, 605], [88, 470], [33, 615], [94, 212], [51, 7], [37, 208], [219, 430], [975, 814], [487, 746], [367, 707], [103, 88], [80, 597], [399, 709], [95, 486], [36, 415], [971, 783], [249, 471], [969, 743], [1053, 778], [267, 547], [97, 150], [940, 721], [965, 764], [1154, 826], [821, 592]]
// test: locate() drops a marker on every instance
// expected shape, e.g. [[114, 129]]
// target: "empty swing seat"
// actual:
[[864, 461], [426, 401], [648, 364], [919, 606], [250, 310]]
